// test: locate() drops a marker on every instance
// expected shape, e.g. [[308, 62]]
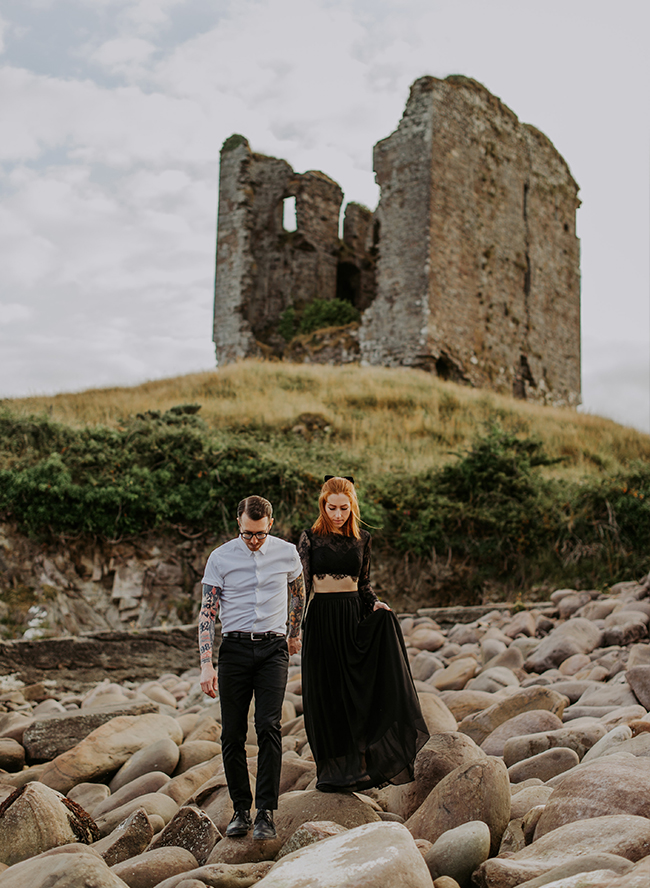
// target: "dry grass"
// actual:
[[382, 419]]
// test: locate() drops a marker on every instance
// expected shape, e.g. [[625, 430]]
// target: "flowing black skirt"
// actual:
[[362, 713]]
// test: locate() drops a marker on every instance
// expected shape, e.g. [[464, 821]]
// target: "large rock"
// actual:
[[154, 803], [638, 678], [45, 738], [186, 786], [128, 839], [151, 782], [534, 721], [220, 875], [149, 869], [577, 636], [605, 787], [309, 834], [466, 702], [544, 766], [107, 748], [296, 808], [436, 715], [455, 676], [370, 855], [476, 791], [579, 738], [71, 870], [458, 852], [160, 756], [36, 818], [192, 829], [440, 755], [481, 724], [12, 754], [625, 835]]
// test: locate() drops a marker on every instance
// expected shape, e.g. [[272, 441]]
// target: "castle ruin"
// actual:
[[469, 267]]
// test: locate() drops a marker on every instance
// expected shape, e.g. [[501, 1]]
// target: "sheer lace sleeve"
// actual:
[[304, 551], [366, 593]]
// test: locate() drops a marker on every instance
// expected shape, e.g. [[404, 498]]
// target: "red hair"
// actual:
[[323, 525]]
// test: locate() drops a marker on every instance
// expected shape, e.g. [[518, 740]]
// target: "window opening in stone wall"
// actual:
[[289, 220], [348, 283]]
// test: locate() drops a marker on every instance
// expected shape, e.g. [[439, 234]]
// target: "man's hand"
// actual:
[[209, 680], [294, 644]]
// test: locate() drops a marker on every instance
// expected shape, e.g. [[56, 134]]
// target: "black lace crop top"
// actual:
[[337, 556]]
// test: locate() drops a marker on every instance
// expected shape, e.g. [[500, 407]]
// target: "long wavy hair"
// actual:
[[323, 525]]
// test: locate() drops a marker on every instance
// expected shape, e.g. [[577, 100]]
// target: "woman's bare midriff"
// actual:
[[330, 584]]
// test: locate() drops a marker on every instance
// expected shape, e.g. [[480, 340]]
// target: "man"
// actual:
[[247, 581]]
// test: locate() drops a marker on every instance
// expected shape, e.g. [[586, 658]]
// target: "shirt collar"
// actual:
[[262, 549]]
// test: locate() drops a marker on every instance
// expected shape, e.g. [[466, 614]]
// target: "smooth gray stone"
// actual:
[[46, 738]]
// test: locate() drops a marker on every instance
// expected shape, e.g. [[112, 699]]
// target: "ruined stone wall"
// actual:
[[478, 267], [262, 269], [469, 267]]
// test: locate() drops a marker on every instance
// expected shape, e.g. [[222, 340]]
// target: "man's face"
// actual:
[[247, 525]]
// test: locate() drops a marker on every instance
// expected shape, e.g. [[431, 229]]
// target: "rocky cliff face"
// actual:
[[83, 585]]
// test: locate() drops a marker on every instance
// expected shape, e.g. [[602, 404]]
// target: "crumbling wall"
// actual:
[[478, 266], [262, 269], [469, 267]]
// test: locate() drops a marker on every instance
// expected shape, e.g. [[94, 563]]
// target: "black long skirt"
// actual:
[[362, 713]]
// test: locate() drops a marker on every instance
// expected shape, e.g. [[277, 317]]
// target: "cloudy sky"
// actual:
[[113, 113]]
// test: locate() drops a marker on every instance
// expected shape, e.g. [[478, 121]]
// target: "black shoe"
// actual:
[[264, 826], [239, 825]]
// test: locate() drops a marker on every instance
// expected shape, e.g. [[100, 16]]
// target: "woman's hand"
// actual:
[[380, 605]]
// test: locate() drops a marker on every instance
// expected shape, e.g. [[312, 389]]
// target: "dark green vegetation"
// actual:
[[315, 316], [503, 525]]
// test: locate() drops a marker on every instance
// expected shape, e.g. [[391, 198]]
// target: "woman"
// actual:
[[362, 713]]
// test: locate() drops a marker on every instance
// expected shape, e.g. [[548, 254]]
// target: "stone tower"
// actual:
[[469, 267], [478, 269]]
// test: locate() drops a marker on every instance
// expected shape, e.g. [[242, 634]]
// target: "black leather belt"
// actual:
[[252, 636]]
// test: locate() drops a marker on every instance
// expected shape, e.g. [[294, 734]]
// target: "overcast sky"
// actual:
[[113, 113]]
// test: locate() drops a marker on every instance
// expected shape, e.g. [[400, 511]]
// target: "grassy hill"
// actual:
[[469, 494]]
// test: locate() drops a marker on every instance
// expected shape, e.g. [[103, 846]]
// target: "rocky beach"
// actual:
[[537, 771]]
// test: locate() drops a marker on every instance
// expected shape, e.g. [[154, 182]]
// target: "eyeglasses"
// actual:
[[247, 535]]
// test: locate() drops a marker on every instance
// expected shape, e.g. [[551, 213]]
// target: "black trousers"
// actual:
[[246, 668]]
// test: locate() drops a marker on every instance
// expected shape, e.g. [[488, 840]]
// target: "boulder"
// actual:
[[184, 787], [455, 676], [529, 798], [106, 748], [373, 854], [493, 679], [220, 875], [192, 829], [545, 765], [638, 678], [12, 754], [152, 802], [45, 738], [579, 738], [63, 871], [475, 791], [534, 721], [577, 636], [466, 702], [195, 752], [36, 818], [594, 863], [440, 755], [606, 787], [308, 834], [296, 808], [426, 639], [458, 852], [151, 782], [149, 869], [128, 839], [436, 715], [161, 756], [625, 835], [481, 724]]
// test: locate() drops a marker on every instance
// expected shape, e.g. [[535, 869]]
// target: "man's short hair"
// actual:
[[256, 507]]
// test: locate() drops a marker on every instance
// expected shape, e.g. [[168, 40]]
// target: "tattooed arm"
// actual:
[[207, 617], [297, 601]]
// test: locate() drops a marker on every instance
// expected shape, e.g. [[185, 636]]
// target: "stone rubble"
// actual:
[[537, 771]]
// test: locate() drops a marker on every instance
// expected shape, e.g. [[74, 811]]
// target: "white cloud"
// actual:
[[12, 311]]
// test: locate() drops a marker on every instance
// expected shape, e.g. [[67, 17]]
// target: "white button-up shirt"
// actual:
[[253, 585]]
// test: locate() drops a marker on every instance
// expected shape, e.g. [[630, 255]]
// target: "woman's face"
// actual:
[[337, 508]]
